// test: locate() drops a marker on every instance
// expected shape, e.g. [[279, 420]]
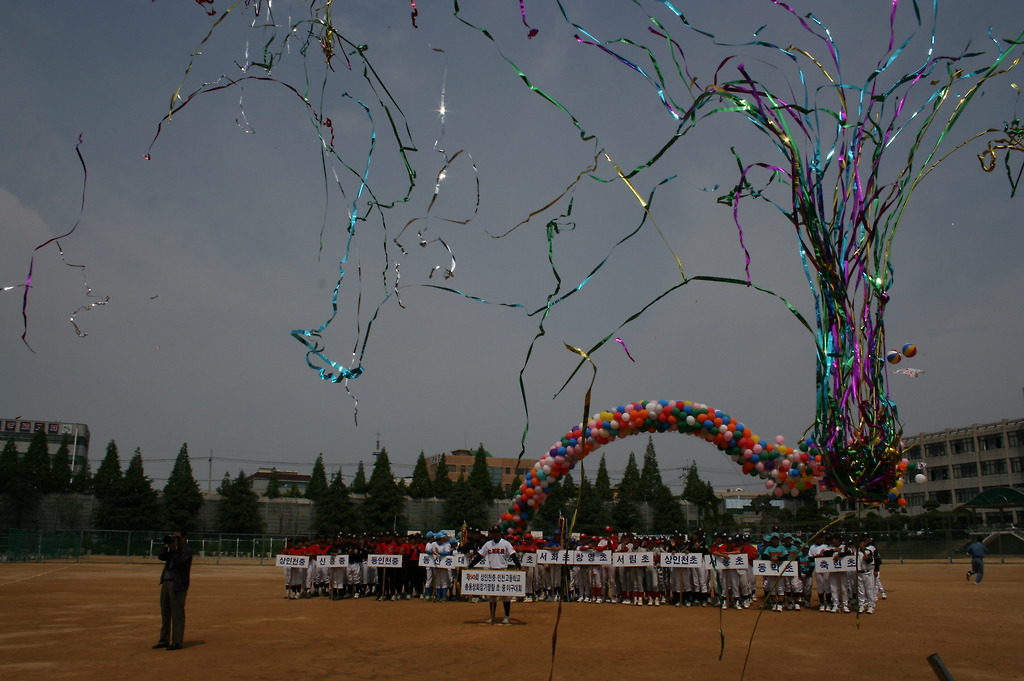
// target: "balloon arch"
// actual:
[[786, 470]]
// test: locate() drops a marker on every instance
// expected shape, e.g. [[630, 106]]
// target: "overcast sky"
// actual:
[[231, 236]]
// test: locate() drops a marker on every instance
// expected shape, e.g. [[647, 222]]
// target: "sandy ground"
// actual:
[[98, 621]]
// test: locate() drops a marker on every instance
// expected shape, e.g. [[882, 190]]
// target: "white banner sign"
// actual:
[[451, 560], [570, 557], [767, 568], [527, 558], [292, 561], [494, 583], [735, 561], [384, 560], [633, 559], [840, 564], [684, 560], [332, 561]]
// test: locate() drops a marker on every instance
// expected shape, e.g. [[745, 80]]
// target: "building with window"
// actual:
[[21, 431], [961, 463], [286, 480], [504, 471]]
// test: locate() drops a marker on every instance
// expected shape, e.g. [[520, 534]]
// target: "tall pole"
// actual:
[[209, 475]]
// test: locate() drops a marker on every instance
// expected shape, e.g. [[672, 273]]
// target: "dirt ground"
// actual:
[[98, 621]]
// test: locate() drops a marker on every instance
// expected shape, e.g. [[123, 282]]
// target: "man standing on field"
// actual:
[[174, 580]]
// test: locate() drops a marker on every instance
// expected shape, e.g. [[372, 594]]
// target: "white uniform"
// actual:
[[496, 555]]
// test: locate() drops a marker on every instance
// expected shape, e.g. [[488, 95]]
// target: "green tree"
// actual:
[[107, 485], [480, 475], [650, 475], [591, 516], [60, 469], [442, 483], [513, 489], [465, 504], [238, 510], [700, 493], [557, 503], [136, 506], [762, 505], [27, 480], [317, 487], [182, 500], [626, 514], [35, 465], [626, 511], [603, 482], [359, 483], [335, 512], [81, 483], [8, 466], [108, 475], [273, 490], [667, 516], [630, 484], [382, 510], [421, 486]]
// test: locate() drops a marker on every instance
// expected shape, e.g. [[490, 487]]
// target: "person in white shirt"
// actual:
[[496, 554]]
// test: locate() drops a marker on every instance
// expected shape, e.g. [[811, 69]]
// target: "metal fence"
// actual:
[[132, 547], [940, 544]]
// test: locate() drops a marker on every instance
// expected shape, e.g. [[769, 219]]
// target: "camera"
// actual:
[[170, 539]]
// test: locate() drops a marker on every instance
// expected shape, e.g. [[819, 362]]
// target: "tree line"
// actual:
[[126, 499]]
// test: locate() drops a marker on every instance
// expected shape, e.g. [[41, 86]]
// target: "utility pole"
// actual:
[[209, 475]]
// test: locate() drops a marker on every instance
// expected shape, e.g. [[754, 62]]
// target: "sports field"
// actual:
[[98, 621]]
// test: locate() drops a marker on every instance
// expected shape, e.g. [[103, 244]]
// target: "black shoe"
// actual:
[[174, 646], [160, 644]]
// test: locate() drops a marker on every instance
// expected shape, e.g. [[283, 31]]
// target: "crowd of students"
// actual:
[[622, 579]]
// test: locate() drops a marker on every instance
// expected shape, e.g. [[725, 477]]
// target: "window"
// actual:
[[1017, 464], [935, 449], [965, 494], [915, 499], [508, 470], [1015, 438], [962, 446], [462, 469], [938, 473], [913, 453], [993, 467], [966, 470], [943, 496], [987, 442]]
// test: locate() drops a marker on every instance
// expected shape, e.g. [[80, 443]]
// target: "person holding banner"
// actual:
[[867, 592], [442, 575], [529, 545], [773, 584], [496, 554], [553, 571], [817, 550], [794, 585], [837, 580]]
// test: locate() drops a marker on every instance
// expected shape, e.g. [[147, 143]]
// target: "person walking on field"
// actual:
[[174, 581], [976, 550]]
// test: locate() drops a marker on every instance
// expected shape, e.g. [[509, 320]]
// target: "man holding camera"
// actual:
[[177, 557]]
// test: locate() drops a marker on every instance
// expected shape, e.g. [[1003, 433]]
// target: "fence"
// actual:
[[132, 547]]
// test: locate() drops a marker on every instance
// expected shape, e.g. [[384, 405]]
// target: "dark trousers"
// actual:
[[172, 613]]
